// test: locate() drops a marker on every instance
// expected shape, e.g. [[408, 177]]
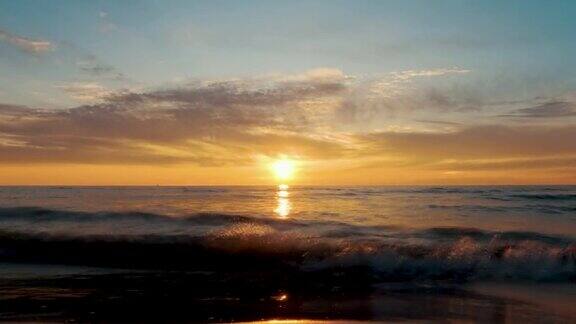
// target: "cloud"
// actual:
[[201, 122], [398, 94], [85, 91], [411, 74], [87, 63], [95, 68], [92, 66], [330, 75], [474, 142], [232, 121], [30, 46], [553, 109], [509, 164], [470, 154], [398, 82], [7, 110]]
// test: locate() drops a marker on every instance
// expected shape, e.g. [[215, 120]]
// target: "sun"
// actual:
[[283, 169]]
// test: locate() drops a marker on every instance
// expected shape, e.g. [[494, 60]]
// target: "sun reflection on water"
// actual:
[[280, 297], [283, 207]]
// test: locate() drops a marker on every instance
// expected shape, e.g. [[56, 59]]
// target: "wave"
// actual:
[[510, 193], [541, 208], [220, 242], [546, 196]]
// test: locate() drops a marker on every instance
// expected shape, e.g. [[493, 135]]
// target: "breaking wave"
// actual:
[[220, 242]]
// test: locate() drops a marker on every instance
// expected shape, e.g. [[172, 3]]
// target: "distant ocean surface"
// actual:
[[355, 246]]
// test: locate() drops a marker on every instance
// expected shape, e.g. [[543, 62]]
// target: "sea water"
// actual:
[[456, 252]]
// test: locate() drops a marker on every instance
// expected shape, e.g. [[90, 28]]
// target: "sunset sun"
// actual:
[[283, 169]]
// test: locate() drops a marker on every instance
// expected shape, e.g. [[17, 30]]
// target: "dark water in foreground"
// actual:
[[222, 254]]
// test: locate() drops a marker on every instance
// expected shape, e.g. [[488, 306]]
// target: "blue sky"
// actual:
[[156, 42], [337, 73]]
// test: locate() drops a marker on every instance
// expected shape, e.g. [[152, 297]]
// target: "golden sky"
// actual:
[[336, 128], [136, 94]]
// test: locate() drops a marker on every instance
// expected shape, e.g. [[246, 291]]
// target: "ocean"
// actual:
[[310, 253]]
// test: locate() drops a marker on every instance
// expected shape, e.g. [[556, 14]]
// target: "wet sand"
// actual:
[[176, 296]]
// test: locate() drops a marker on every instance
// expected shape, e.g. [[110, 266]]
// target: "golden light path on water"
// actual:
[[283, 170], [283, 207]]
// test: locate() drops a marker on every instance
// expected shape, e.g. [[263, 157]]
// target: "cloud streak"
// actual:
[[473, 142], [24, 44], [85, 91], [553, 109]]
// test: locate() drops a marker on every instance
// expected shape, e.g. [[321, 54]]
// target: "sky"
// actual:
[[353, 92]]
